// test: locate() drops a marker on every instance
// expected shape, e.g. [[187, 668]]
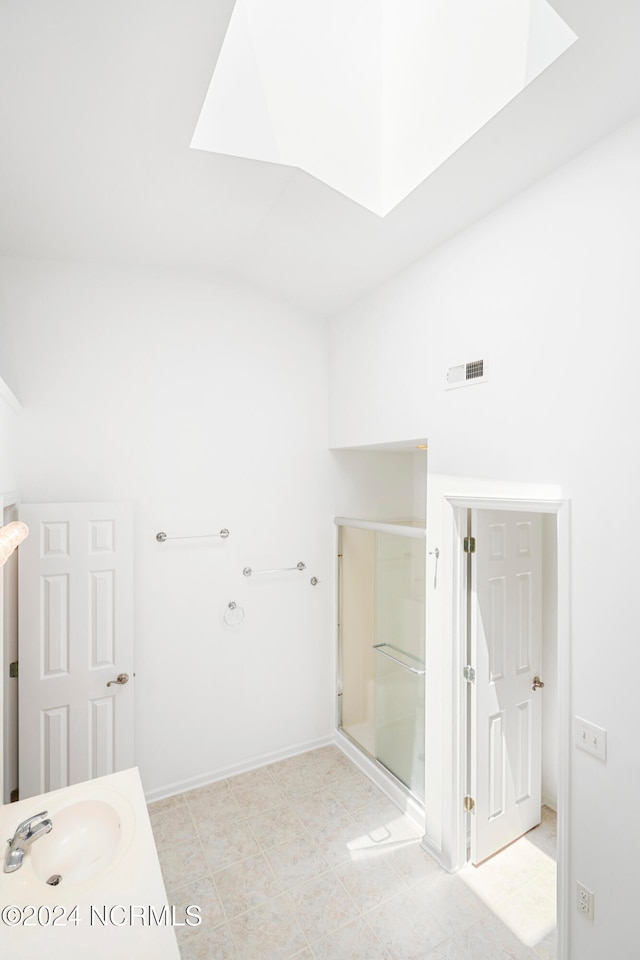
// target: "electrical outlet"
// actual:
[[589, 737], [585, 901]]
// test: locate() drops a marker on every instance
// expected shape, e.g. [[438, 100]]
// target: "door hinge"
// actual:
[[469, 674], [13, 669], [469, 804], [469, 544]]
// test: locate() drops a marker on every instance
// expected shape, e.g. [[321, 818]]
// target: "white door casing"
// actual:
[[506, 712], [75, 635]]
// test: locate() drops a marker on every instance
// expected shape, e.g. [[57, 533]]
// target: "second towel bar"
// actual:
[[161, 537], [378, 648], [249, 571]]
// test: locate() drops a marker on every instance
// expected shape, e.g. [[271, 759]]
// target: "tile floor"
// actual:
[[306, 859]]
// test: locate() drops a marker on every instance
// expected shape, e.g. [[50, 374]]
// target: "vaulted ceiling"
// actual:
[[99, 101]]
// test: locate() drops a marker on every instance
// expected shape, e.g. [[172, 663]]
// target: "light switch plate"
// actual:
[[587, 736]]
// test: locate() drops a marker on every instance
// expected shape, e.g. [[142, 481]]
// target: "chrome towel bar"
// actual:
[[378, 648], [249, 571], [161, 537]]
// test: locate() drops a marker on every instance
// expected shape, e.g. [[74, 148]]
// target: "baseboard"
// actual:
[[253, 763]]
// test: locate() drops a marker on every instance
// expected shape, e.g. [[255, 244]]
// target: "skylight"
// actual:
[[371, 96]]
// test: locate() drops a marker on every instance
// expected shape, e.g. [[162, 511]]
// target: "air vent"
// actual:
[[464, 374], [474, 369]]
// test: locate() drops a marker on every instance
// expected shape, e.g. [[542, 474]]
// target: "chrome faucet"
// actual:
[[26, 833]]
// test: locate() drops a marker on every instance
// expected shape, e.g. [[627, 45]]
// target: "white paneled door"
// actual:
[[75, 639], [506, 704]]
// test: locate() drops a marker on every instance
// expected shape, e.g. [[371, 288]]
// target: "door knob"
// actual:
[[537, 682], [124, 678]]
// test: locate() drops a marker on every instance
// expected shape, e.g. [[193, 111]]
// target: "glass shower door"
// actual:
[[381, 682], [399, 658], [357, 628], [400, 715]]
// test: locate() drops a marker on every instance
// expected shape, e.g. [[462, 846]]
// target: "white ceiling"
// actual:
[[99, 101], [381, 92]]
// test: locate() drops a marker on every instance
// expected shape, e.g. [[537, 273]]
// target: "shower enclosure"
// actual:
[[381, 641]]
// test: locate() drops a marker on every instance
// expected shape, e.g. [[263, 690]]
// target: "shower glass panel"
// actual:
[[381, 683]]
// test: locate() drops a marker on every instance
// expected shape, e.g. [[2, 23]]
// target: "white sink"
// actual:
[[84, 841], [101, 845], [90, 835]]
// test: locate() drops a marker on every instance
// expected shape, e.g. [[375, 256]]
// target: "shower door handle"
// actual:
[[377, 648]]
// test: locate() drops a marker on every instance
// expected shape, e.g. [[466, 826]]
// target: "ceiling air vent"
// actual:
[[464, 374]]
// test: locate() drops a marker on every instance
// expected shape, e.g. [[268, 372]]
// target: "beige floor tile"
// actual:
[[296, 861], [312, 759], [449, 950], [250, 779], [355, 792], [205, 792], [369, 881], [276, 825], [547, 949], [259, 796], [217, 809], [406, 927], [530, 913], [385, 826], [545, 835], [203, 894], [525, 859], [330, 763], [281, 768], [322, 906], [182, 864], [411, 862], [318, 808], [246, 885], [169, 803], [338, 839], [299, 780], [171, 825], [269, 932], [227, 844], [502, 875], [214, 944], [489, 939], [356, 941], [286, 826], [450, 901]]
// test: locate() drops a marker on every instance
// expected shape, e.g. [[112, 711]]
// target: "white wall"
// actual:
[[9, 433], [373, 485], [206, 406], [546, 289]]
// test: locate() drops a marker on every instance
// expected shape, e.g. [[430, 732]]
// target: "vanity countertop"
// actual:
[[111, 904]]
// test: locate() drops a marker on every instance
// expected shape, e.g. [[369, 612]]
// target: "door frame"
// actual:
[[448, 499], [559, 508], [8, 704]]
